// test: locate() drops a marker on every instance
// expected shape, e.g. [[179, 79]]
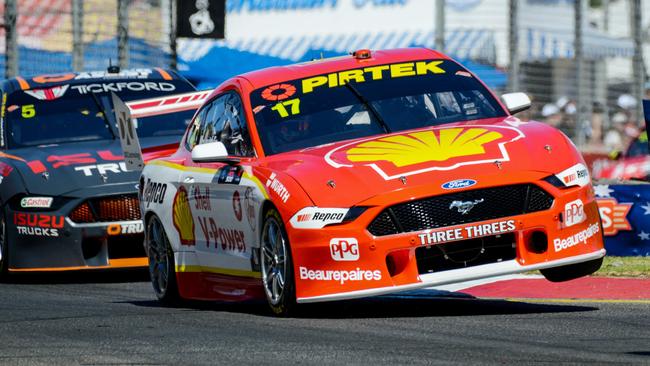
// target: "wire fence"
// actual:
[[51, 36], [581, 61]]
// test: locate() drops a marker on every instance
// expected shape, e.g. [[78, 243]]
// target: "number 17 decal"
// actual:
[[281, 107]]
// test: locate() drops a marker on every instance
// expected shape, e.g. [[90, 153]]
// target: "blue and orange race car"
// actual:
[[66, 199]]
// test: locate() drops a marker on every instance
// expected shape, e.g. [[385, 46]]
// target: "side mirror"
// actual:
[[516, 102], [212, 152]]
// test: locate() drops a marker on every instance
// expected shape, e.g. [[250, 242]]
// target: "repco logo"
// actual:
[[344, 249], [574, 213]]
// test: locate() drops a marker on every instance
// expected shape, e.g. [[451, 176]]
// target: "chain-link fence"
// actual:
[[51, 36], [580, 61], [584, 80]]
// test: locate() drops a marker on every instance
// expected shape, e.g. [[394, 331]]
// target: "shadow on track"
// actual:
[[411, 304], [79, 277]]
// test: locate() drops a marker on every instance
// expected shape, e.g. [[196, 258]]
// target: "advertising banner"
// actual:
[[625, 212]]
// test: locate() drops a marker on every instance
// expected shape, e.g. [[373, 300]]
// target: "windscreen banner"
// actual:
[[625, 213]]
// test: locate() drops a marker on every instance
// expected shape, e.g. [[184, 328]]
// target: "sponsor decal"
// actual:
[[317, 218], [464, 207], [154, 192], [278, 92], [57, 161], [182, 217], [575, 239], [276, 186], [36, 202], [201, 198], [574, 213], [614, 215], [226, 239], [340, 276], [5, 169], [467, 232], [236, 206], [123, 74], [458, 183], [119, 229], [102, 169], [344, 249], [249, 205], [577, 175], [38, 224], [135, 86], [372, 73], [37, 231], [229, 175], [48, 94], [411, 153], [44, 79]]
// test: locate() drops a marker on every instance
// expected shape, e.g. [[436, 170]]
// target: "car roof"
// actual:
[[277, 74], [88, 77]]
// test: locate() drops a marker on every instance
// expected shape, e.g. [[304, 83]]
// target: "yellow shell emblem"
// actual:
[[182, 217], [421, 147]]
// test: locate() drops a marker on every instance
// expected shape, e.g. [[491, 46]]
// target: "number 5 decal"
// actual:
[[28, 111]]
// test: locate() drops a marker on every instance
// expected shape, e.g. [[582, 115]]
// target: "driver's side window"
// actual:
[[223, 120]]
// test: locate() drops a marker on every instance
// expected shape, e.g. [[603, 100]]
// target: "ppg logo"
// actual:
[[574, 213], [344, 249]]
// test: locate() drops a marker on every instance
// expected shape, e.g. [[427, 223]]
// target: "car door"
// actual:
[[218, 192]]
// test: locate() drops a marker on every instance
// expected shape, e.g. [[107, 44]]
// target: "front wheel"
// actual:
[[572, 271], [162, 269], [276, 265]]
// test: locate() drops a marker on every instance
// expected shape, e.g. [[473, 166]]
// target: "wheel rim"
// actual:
[[273, 254], [158, 257]]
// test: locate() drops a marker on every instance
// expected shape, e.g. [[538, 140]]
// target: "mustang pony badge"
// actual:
[[464, 206]]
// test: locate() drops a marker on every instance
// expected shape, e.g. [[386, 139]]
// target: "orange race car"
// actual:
[[362, 175]]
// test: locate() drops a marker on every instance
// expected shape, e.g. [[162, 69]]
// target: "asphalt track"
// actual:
[[113, 319]]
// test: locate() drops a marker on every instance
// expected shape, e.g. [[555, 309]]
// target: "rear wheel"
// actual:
[[162, 269], [276, 265], [572, 271]]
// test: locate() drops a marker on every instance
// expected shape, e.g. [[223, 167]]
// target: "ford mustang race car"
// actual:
[[368, 174], [67, 200]]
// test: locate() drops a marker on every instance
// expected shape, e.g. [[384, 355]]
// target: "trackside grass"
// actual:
[[638, 267]]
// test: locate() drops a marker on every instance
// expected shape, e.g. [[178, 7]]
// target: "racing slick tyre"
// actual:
[[162, 267], [276, 265], [573, 271], [4, 249]]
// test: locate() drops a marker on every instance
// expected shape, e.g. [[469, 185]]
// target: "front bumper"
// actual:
[[346, 261], [51, 241]]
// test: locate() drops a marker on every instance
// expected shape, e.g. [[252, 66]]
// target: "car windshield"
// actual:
[[366, 101], [59, 115]]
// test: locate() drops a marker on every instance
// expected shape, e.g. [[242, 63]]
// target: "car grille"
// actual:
[[107, 209], [466, 253], [437, 211]]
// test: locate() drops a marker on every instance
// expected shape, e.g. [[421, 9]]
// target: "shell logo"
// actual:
[[422, 151], [420, 147], [182, 217]]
